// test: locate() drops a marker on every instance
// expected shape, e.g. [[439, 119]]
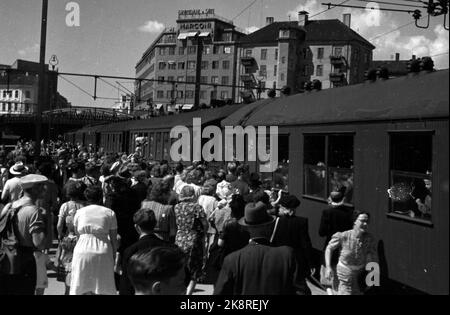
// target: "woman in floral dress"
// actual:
[[192, 226]]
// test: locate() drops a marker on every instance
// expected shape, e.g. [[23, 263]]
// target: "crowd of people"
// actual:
[[129, 226]]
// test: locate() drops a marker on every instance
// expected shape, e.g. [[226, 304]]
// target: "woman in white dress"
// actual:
[[95, 252]]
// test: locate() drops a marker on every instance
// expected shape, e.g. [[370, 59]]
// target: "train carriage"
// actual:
[[367, 139]]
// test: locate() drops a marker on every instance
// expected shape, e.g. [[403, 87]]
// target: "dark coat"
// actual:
[[293, 231], [335, 219], [145, 243], [258, 269]]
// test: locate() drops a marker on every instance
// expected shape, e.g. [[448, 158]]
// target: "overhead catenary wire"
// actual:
[[243, 10], [387, 33], [394, 4], [314, 15], [86, 92]]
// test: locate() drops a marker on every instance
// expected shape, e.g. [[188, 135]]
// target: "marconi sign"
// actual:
[[195, 13]]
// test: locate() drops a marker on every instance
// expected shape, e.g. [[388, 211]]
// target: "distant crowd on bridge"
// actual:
[[126, 225]]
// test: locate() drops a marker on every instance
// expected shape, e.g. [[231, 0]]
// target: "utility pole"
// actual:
[[42, 75], [198, 70]]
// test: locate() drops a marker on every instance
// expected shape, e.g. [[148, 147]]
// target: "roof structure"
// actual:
[[416, 96], [316, 31]]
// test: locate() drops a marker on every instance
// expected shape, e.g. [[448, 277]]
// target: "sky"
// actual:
[[113, 34]]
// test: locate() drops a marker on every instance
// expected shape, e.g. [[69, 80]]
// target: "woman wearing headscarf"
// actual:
[[192, 226]]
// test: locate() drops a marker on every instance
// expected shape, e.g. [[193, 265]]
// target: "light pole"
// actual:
[[42, 74]]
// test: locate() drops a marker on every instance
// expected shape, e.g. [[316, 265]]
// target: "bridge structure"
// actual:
[[58, 121]]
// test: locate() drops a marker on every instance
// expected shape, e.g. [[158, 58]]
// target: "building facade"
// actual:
[[271, 58], [19, 86], [340, 56], [168, 69]]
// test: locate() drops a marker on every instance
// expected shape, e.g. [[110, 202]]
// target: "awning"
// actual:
[[183, 36], [159, 106], [187, 106], [192, 34], [204, 34]]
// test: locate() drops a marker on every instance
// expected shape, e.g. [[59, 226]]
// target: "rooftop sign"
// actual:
[[198, 13]]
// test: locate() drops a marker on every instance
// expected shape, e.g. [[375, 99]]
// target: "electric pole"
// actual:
[[42, 75]]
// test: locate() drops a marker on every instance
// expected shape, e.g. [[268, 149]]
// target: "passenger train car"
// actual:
[[385, 143]]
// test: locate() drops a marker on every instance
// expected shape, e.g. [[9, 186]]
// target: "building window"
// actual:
[[169, 94], [225, 81], [215, 64], [275, 70], [276, 54], [16, 94], [319, 70], [205, 65], [203, 79], [5, 94], [283, 60], [215, 80], [410, 174], [263, 54], [320, 52], [162, 51], [226, 64], [171, 51], [181, 66], [285, 33], [191, 65], [282, 76], [248, 52], [161, 80], [224, 95], [202, 94], [190, 94], [181, 50], [162, 65], [227, 50], [160, 94], [213, 95], [180, 94], [180, 79], [172, 66], [192, 50], [216, 50], [338, 51], [263, 71], [328, 165], [207, 50], [170, 79], [190, 79]]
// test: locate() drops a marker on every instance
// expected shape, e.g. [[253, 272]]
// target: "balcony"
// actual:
[[338, 60], [337, 77]]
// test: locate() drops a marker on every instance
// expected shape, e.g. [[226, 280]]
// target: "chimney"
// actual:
[[397, 57], [413, 57], [302, 18], [347, 19], [269, 20]]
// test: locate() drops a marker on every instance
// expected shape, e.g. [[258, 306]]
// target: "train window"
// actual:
[[280, 178], [158, 147], [166, 144], [151, 144], [328, 165], [410, 175]]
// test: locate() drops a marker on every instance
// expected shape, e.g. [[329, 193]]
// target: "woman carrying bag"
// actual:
[[66, 231]]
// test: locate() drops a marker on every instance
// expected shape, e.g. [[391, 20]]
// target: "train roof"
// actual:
[[415, 96], [167, 122]]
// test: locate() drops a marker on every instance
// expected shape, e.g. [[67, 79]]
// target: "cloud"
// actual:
[[29, 50], [251, 29], [372, 23], [152, 27]]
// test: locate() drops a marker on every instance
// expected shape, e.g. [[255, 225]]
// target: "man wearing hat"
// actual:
[[12, 189], [258, 268], [293, 231], [30, 235]]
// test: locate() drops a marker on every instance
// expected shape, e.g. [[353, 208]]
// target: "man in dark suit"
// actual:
[[336, 218], [258, 268], [293, 231], [145, 222]]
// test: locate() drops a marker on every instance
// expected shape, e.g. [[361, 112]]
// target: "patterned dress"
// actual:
[[190, 235]]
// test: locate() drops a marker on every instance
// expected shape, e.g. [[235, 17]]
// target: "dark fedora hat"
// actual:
[[290, 201], [256, 215]]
